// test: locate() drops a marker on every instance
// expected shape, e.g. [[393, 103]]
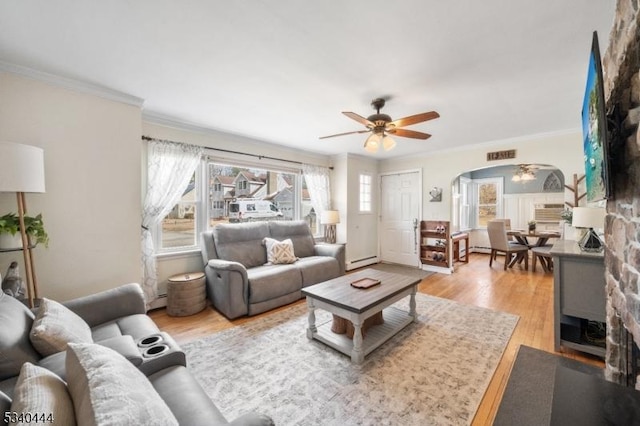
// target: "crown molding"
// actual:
[[72, 84]]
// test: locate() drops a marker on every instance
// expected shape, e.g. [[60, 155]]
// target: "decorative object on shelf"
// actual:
[[589, 217], [10, 231], [22, 170], [329, 218], [567, 216], [532, 226], [12, 283], [436, 194], [381, 126]]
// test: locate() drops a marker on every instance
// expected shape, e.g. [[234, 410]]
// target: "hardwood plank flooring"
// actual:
[[524, 293]]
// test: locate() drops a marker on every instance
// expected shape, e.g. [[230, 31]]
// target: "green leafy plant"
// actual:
[[10, 224], [567, 215]]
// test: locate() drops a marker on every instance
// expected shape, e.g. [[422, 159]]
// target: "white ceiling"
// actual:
[[283, 70]]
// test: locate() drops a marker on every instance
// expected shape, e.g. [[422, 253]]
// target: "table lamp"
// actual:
[[589, 217], [22, 170], [329, 218]]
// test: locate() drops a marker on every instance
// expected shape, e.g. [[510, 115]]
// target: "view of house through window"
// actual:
[[489, 207], [237, 194], [180, 225]]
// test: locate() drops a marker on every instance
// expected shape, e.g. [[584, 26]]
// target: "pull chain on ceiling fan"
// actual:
[[381, 126]]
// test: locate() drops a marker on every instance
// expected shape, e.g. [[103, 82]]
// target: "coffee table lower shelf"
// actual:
[[394, 320]]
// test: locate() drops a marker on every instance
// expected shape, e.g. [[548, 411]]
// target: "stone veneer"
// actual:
[[621, 67]]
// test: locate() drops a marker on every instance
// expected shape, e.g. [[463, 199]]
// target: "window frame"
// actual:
[[365, 190], [499, 205]]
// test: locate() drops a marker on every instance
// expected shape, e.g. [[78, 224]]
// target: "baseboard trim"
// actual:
[[355, 264]]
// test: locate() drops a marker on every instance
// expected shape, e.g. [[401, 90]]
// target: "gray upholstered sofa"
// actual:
[[241, 282], [117, 319]]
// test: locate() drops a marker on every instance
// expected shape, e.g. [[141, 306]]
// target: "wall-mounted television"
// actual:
[[594, 130]]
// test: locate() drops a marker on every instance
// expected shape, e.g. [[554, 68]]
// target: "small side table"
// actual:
[[186, 294]]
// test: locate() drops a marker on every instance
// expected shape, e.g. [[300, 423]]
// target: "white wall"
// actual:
[[91, 207], [358, 230], [563, 151]]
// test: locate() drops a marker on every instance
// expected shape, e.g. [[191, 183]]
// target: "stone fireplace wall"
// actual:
[[621, 68]]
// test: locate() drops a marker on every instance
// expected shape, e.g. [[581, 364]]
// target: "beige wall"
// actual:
[[92, 206], [440, 169]]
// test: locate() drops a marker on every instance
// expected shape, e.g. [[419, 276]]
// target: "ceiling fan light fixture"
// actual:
[[388, 143], [372, 143]]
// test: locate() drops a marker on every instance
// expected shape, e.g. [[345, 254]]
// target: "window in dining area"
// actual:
[[489, 200]]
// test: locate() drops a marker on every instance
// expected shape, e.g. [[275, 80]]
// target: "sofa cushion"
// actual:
[[56, 325], [316, 269], [242, 243], [270, 281], [299, 233], [279, 252], [42, 394], [15, 346], [108, 389]]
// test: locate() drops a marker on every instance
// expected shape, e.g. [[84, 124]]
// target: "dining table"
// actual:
[[542, 237]]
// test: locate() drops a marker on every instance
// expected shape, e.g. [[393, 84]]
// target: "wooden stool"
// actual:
[[543, 254], [186, 294], [344, 326]]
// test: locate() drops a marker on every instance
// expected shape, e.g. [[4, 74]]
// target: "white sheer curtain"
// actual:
[[319, 187], [170, 167]]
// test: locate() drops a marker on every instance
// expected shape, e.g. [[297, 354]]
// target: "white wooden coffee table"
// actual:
[[356, 305]]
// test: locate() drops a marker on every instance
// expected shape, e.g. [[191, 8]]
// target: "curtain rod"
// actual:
[[228, 151]]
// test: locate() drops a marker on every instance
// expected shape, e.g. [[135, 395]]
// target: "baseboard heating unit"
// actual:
[[359, 263]]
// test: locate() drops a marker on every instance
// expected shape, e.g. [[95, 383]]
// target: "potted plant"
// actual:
[[567, 215], [532, 226], [10, 231]]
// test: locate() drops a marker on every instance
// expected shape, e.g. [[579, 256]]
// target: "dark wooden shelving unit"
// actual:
[[435, 247]]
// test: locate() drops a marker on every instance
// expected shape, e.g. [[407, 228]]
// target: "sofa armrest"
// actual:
[[228, 287], [109, 305], [253, 419], [333, 250], [125, 346]]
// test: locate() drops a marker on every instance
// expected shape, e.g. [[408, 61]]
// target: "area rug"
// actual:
[[434, 372]]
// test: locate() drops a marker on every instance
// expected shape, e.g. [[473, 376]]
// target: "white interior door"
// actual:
[[400, 202]]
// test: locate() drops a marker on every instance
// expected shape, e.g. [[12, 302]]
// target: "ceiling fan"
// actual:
[[381, 126]]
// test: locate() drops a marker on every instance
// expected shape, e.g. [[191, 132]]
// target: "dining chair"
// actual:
[[500, 244], [543, 254]]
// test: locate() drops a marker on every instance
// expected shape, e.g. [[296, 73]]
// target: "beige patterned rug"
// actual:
[[434, 372]]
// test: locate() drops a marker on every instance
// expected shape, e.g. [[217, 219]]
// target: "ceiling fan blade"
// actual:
[[343, 134], [413, 119], [409, 134], [360, 119]]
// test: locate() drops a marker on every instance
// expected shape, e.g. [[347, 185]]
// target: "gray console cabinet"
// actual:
[[579, 294]]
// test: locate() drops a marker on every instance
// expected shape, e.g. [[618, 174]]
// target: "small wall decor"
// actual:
[[436, 194]]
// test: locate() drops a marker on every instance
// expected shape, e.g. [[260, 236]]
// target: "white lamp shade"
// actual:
[[21, 168], [588, 217], [330, 217]]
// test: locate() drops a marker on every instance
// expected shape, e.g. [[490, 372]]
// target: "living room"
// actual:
[[95, 160]]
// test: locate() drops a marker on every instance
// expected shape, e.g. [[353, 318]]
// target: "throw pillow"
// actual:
[[280, 252], [56, 325], [41, 397], [108, 390]]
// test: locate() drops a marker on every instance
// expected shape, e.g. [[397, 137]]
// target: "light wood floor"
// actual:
[[524, 293]]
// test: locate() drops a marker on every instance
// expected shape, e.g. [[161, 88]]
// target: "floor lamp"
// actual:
[[22, 170]]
